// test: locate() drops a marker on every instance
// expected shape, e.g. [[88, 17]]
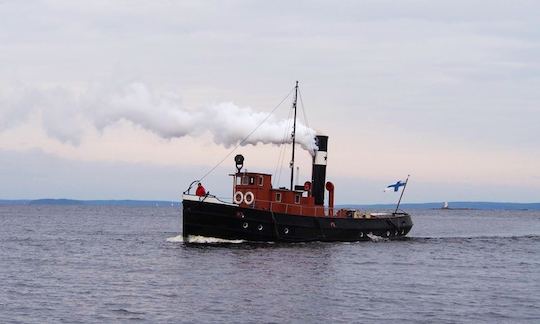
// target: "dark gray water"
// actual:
[[114, 264]]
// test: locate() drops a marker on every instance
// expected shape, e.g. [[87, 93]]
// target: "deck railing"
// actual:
[[299, 209]]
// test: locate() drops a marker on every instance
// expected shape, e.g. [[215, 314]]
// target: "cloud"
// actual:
[[444, 89]]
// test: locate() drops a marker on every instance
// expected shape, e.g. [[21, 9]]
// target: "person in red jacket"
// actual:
[[200, 190]]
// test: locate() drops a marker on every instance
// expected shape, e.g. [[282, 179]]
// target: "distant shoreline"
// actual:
[[456, 205], [76, 202], [453, 206]]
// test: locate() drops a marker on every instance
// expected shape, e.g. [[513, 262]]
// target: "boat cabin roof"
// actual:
[[249, 174]]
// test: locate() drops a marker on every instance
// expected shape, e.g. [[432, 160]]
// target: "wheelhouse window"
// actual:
[[278, 196], [251, 180], [261, 180], [238, 180], [245, 180], [297, 199]]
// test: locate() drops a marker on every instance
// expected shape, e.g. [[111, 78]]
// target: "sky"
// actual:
[[135, 99]]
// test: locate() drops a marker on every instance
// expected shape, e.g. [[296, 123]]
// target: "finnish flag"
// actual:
[[395, 187]]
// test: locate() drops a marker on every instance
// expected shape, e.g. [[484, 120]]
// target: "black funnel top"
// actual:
[[318, 174]]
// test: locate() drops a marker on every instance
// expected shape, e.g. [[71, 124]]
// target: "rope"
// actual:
[[282, 154], [303, 110], [245, 138], [285, 136], [282, 150]]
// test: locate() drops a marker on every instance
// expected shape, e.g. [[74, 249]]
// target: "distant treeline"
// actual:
[[73, 202], [164, 203], [452, 205]]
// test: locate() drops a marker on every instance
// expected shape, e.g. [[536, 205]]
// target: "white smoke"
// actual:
[[65, 113]]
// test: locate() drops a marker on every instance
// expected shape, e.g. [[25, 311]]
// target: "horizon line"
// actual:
[[340, 204]]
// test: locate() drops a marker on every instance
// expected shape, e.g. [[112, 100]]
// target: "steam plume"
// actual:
[[64, 114]]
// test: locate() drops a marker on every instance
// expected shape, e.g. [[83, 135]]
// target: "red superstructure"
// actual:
[[254, 190]]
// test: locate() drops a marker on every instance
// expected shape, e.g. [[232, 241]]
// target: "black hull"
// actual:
[[235, 223]]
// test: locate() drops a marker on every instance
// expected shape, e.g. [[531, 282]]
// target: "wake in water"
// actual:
[[375, 238], [202, 240], [473, 238], [197, 239]]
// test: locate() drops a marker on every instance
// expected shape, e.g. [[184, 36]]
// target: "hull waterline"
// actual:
[[232, 222]]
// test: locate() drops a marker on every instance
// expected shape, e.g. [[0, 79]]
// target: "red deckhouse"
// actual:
[[254, 190]]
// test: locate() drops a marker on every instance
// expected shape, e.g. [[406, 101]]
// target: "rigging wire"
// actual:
[[303, 110], [287, 135], [283, 149], [248, 135]]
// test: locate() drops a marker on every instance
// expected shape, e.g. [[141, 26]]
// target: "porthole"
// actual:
[[260, 227], [286, 230], [245, 225]]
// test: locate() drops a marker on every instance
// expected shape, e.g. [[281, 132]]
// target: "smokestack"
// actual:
[[318, 173]]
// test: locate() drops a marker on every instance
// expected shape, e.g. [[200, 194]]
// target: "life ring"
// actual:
[[238, 197], [249, 198]]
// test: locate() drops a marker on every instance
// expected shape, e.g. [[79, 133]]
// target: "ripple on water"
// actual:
[[116, 264]]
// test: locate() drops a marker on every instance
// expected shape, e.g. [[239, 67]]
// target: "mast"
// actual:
[[294, 133]]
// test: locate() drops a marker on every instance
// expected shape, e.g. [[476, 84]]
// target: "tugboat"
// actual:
[[258, 212]]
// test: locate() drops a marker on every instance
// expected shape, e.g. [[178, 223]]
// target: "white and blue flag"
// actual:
[[395, 187]]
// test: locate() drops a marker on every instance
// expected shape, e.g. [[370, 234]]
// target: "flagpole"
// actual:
[[403, 191]]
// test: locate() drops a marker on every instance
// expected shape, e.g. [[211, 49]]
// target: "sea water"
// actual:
[[102, 264]]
